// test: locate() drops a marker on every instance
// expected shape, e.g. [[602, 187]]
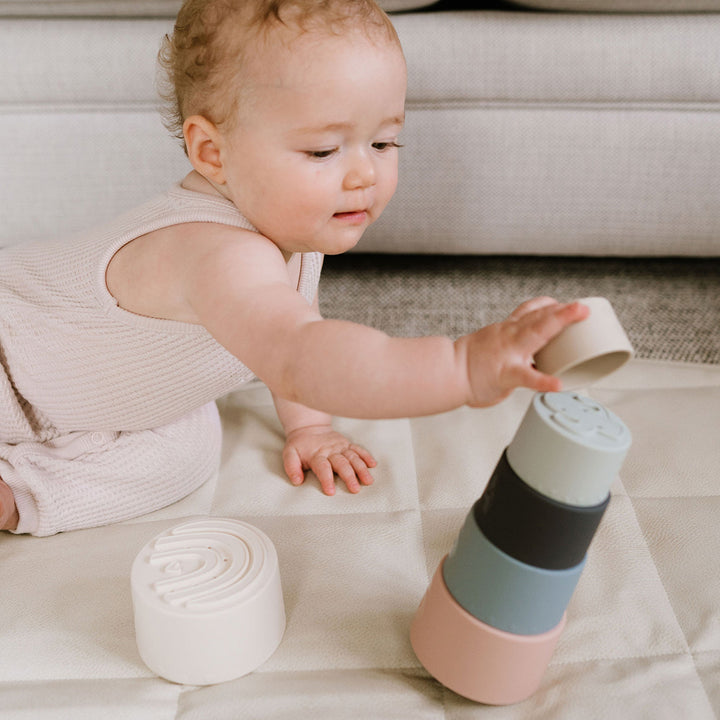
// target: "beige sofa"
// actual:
[[572, 127]]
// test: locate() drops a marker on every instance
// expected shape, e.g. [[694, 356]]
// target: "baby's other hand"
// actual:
[[8, 511], [327, 453], [499, 357]]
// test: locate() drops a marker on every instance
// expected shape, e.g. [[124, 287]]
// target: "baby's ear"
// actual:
[[202, 139]]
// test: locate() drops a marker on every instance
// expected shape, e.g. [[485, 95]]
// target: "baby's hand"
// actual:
[[327, 453], [499, 357], [8, 511]]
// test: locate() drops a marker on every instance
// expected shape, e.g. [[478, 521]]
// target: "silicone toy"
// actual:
[[475, 659], [586, 351], [496, 607], [208, 601], [568, 446]]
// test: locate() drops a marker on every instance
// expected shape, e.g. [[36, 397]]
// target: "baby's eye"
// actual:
[[320, 154], [380, 146]]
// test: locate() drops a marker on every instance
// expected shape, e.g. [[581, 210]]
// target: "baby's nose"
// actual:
[[360, 173]]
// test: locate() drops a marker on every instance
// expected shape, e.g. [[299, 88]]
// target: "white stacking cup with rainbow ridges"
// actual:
[[496, 607], [208, 601]]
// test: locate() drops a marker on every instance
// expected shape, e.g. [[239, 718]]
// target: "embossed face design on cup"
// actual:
[[569, 447]]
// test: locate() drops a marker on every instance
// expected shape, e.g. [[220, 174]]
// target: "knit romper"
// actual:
[[105, 414]]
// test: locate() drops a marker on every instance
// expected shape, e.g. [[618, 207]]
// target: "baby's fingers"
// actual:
[[539, 382], [364, 455], [293, 465], [351, 467], [345, 471], [361, 460], [323, 469], [532, 305], [550, 321]]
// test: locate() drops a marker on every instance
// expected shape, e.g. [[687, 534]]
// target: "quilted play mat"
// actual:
[[642, 631]]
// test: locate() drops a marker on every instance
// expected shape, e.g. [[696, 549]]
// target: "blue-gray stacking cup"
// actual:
[[503, 592], [532, 527]]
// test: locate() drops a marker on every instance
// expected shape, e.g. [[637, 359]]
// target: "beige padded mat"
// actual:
[[643, 633]]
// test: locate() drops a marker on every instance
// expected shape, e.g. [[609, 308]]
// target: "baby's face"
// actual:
[[312, 159]]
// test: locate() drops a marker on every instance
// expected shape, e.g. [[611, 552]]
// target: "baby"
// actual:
[[114, 347]]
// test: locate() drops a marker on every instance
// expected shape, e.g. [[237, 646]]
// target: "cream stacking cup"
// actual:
[[588, 350], [208, 601]]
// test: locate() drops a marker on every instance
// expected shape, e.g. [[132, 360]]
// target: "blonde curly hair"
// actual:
[[204, 56]]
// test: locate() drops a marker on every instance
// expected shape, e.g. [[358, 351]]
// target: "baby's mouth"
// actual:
[[357, 215]]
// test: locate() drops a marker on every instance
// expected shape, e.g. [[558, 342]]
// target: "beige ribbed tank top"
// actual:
[[77, 361]]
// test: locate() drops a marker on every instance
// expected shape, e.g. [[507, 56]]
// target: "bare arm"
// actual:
[[242, 294], [334, 366]]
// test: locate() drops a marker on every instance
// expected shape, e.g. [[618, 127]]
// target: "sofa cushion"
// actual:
[[133, 8], [567, 134]]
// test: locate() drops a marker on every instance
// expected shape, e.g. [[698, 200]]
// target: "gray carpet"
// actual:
[[670, 308]]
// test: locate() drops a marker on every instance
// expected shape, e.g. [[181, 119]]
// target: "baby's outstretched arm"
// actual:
[[359, 372], [241, 292]]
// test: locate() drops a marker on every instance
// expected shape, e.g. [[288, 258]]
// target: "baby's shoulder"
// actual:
[[218, 251], [227, 243], [156, 273]]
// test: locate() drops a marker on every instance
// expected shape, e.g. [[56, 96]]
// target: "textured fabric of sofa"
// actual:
[[550, 127]]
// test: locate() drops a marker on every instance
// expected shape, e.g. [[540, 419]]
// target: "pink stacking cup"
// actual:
[[473, 659]]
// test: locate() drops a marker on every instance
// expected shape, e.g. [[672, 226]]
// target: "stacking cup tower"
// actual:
[[492, 615]]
